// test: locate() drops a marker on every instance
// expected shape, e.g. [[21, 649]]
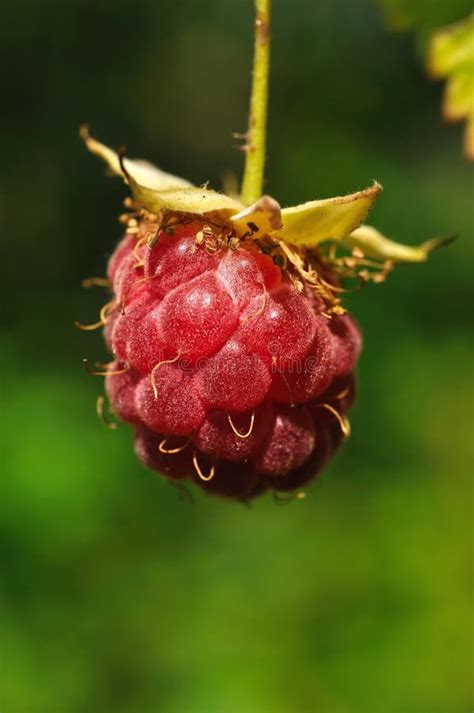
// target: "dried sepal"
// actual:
[[374, 245], [197, 201], [156, 190], [301, 227], [262, 217], [311, 223], [144, 172]]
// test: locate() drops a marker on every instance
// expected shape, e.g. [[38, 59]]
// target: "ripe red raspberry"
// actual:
[[230, 375]]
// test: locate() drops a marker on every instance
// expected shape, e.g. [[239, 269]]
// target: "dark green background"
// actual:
[[117, 596]]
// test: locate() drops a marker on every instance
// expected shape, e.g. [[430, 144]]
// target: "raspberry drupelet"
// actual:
[[231, 374]]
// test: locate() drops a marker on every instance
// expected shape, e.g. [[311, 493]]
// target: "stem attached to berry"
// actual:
[[252, 184]]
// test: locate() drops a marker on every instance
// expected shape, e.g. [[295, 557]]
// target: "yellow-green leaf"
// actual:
[[375, 245], [333, 218], [451, 48], [451, 55], [459, 96]]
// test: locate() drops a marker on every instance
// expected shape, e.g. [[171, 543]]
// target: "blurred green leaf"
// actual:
[[451, 56], [449, 51]]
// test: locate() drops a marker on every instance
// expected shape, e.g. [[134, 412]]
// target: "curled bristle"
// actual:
[[199, 472], [130, 289], [89, 327], [100, 408], [261, 309], [171, 451], [342, 420], [103, 314], [106, 310], [237, 432], [95, 282], [155, 369], [116, 372], [291, 400], [139, 244]]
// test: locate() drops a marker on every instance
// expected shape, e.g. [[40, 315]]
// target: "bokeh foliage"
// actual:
[[115, 594]]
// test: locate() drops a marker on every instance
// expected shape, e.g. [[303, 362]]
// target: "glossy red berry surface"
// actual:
[[230, 375]]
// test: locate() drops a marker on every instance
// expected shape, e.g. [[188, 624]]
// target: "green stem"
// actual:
[[252, 184]]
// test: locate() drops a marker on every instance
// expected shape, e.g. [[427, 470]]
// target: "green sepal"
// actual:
[[376, 246], [311, 223]]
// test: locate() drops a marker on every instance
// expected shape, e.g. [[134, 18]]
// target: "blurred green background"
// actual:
[[116, 595]]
